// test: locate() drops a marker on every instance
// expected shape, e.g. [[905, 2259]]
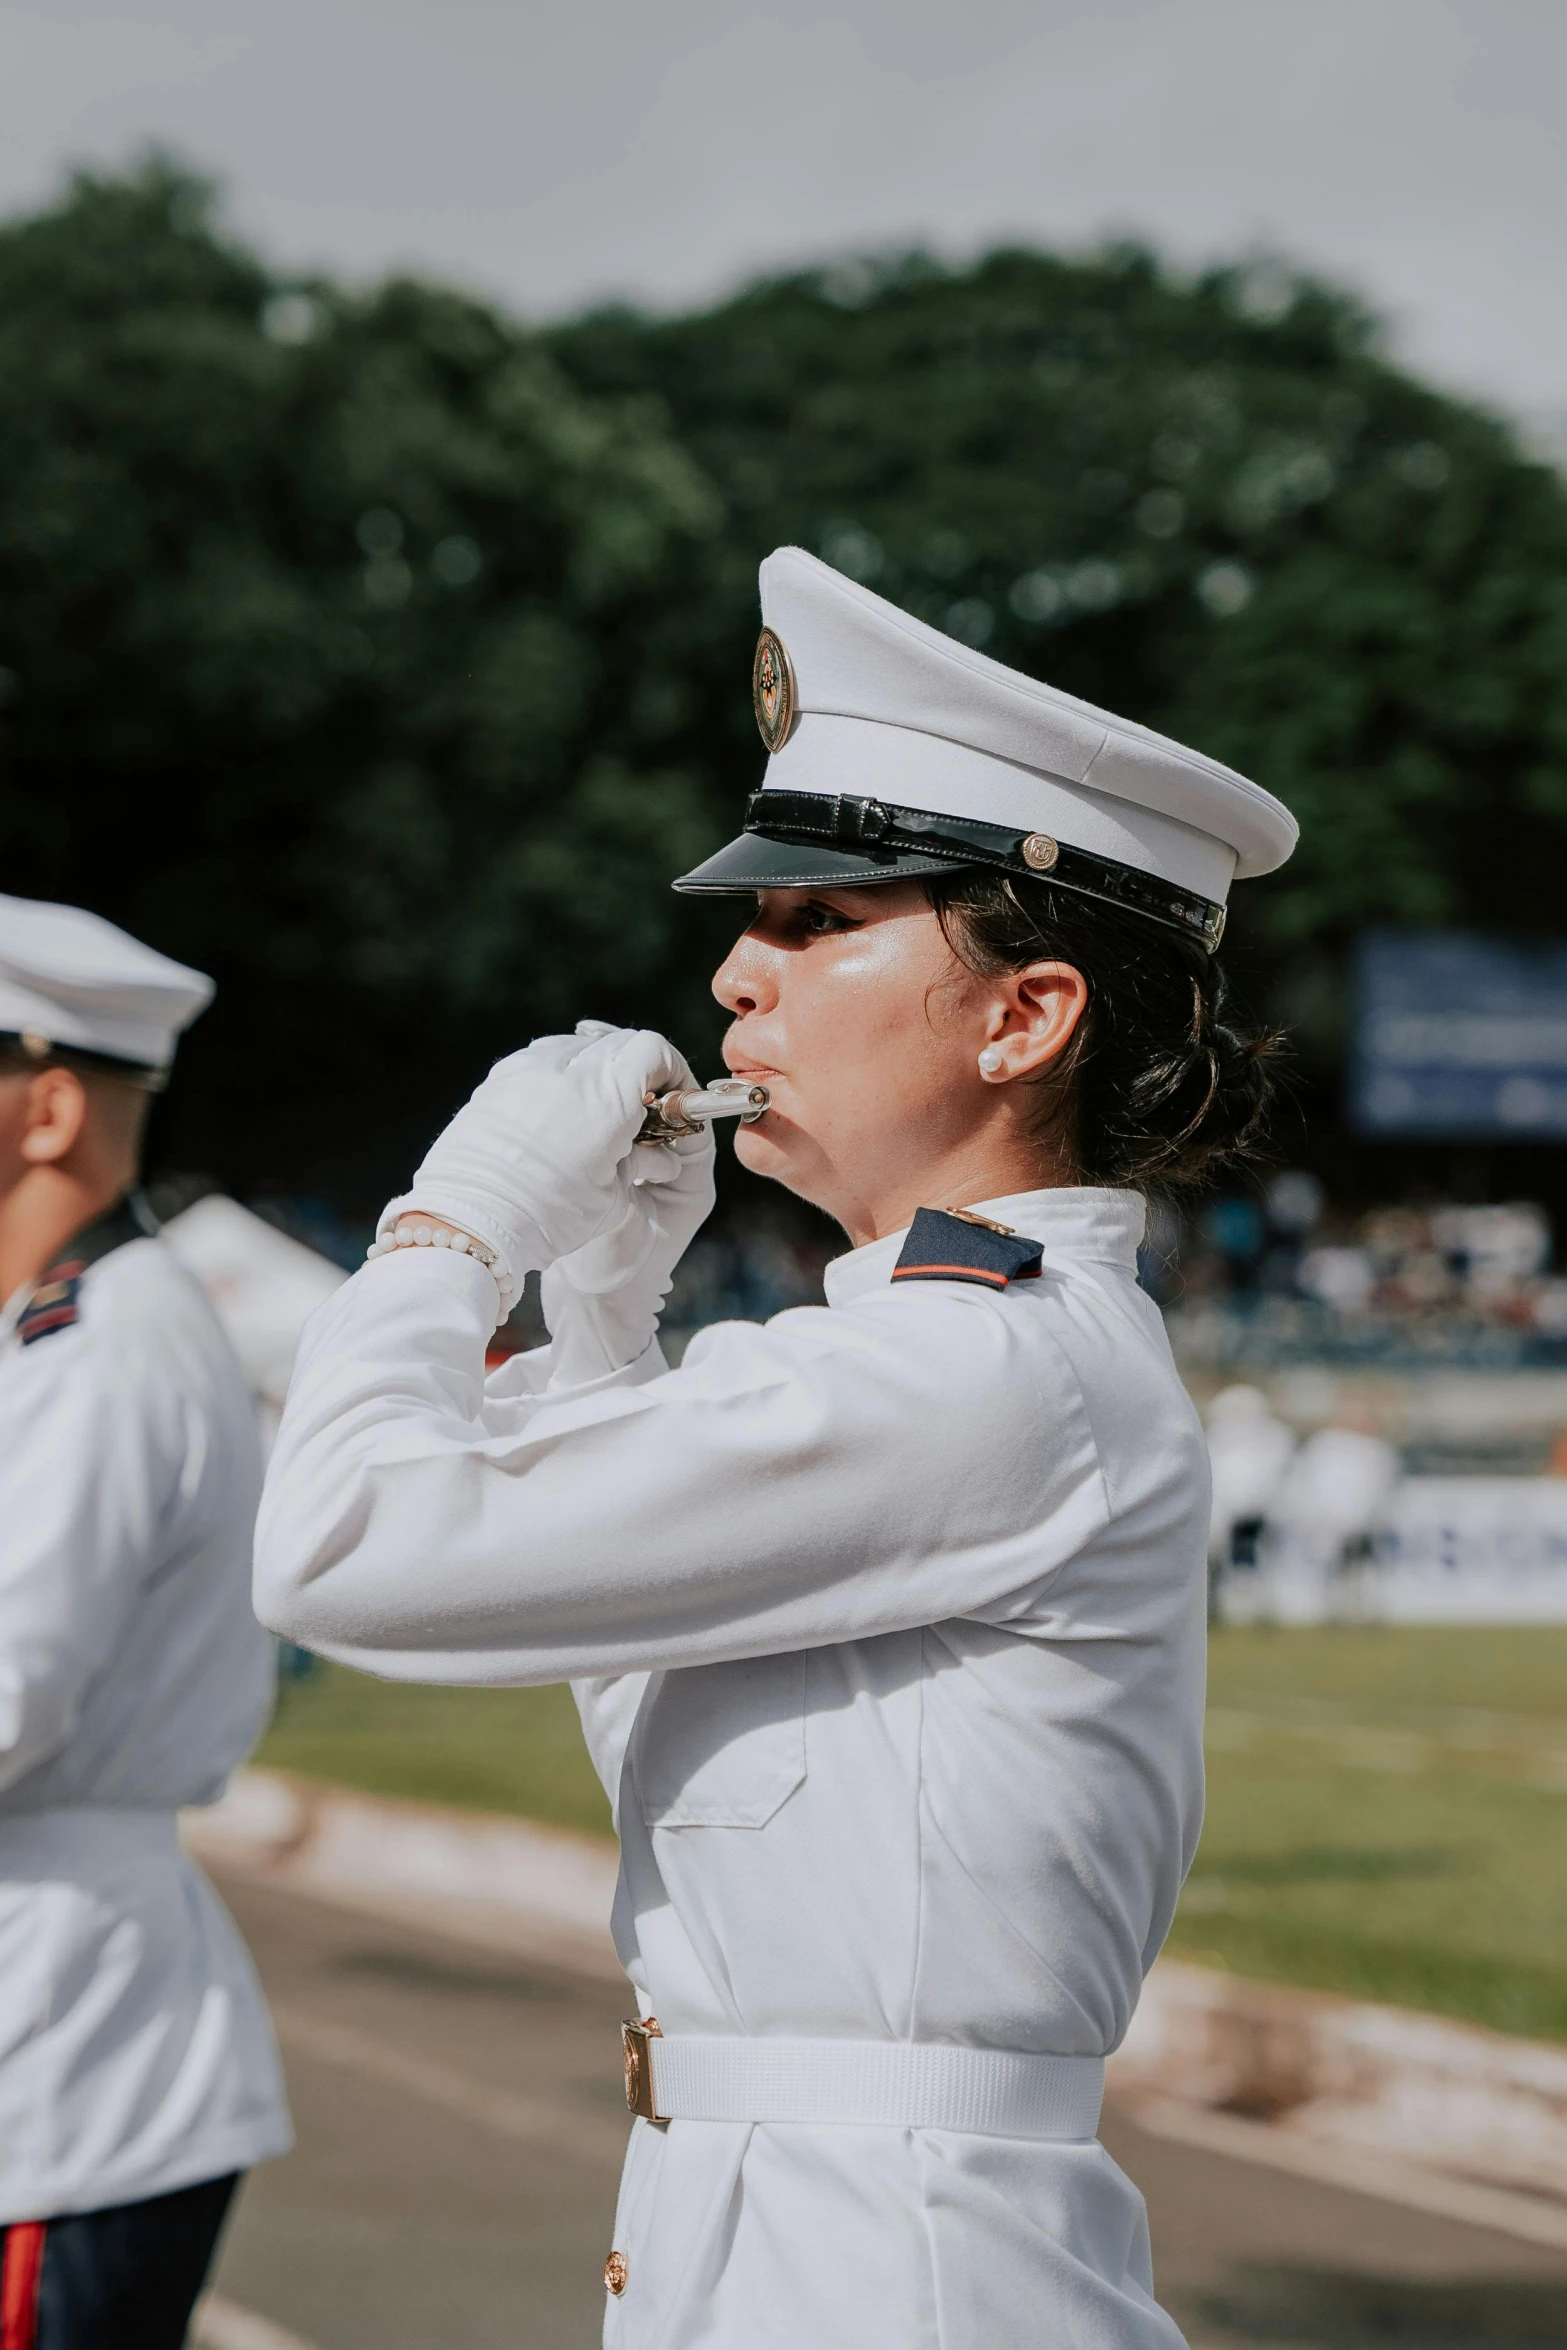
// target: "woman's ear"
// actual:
[[1034, 1015], [55, 1115]]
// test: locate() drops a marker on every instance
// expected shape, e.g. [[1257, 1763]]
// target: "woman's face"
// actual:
[[850, 1006]]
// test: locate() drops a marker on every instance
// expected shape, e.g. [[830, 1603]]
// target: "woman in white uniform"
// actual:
[[886, 1618]]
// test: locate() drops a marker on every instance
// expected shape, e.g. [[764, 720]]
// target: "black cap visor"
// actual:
[[756, 862], [805, 840]]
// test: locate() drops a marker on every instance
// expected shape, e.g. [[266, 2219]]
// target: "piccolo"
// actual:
[[688, 1111]]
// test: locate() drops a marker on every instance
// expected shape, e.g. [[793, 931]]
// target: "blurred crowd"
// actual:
[[1288, 1268], [1284, 1257], [1284, 1266], [1248, 1278]]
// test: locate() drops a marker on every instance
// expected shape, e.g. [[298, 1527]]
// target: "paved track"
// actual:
[[460, 2123]]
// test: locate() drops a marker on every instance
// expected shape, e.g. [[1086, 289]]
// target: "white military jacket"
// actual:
[[135, 2051], [887, 1624]]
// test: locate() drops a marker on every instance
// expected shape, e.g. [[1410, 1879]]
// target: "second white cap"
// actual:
[[69, 979]]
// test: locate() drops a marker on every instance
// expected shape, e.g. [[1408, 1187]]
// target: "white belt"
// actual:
[[83, 1835], [899, 2084]]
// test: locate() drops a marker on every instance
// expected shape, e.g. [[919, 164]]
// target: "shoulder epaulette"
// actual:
[[54, 1303], [959, 1247]]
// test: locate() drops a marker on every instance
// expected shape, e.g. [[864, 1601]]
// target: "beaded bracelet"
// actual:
[[409, 1233]]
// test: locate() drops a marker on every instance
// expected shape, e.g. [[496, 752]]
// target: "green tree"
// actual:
[[331, 642]]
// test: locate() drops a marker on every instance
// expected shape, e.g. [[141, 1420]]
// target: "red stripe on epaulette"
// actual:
[[54, 1305], [33, 1326], [949, 1273]]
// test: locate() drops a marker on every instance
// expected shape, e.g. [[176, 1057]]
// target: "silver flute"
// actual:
[[687, 1111]]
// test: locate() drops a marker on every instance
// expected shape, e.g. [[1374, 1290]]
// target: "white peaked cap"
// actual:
[[74, 980], [878, 705]]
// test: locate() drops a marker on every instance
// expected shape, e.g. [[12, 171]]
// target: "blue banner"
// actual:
[[1460, 1037]]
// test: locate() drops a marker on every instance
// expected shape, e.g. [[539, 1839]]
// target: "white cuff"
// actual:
[[519, 1249], [474, 1279]]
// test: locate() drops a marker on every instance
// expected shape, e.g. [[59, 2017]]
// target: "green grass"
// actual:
[[1387, 1812], [1387, 1817], [516, 1750]]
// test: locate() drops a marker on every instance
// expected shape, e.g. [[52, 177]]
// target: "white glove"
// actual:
[[602, 1303], [539, 1160]]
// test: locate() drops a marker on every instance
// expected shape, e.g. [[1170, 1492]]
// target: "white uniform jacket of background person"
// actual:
[[135, 2051], [886, 1621]]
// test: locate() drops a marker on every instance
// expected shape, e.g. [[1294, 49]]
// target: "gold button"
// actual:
[[1039, 852], [615, 2274]]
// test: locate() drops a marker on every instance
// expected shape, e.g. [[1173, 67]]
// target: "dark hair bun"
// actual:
[[1157, 1089]]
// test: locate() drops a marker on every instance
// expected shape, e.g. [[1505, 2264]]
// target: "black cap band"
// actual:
[[885, 835], [42, 1052]]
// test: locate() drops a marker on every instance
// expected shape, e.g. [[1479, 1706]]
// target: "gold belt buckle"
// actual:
[[635, 2037]]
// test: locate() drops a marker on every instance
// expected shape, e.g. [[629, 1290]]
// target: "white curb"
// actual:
[[1382, 2080]]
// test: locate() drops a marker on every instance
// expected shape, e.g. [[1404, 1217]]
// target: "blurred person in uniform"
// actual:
[[138, 2076], [1249, 1453], [886, 1617], [1329, 1505]]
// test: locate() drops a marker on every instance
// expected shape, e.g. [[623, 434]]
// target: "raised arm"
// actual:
[[832, 1474]]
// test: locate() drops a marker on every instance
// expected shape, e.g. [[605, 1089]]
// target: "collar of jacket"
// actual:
[[1071, 1223], [130, 1218]]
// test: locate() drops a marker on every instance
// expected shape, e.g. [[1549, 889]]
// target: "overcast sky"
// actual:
[[664, 148]]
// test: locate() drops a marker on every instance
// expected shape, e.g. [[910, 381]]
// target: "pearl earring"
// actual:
[[990, 1060]]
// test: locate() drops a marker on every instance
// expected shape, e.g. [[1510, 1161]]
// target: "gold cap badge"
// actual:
[[772, 690]]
